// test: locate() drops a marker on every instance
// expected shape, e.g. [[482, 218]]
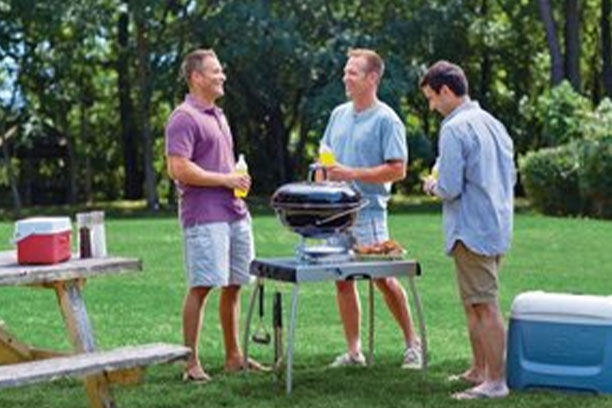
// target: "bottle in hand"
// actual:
[[326, 155], [241, 168]]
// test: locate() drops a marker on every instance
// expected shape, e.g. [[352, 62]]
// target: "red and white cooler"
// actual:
[[43, 240]]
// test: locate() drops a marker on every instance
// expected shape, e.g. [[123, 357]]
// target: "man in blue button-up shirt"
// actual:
[[475, 179]]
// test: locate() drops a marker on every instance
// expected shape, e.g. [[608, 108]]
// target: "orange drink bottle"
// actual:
[[326, 155], [241, 168]]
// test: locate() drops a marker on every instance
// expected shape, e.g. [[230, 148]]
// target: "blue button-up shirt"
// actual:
[[476, 177]]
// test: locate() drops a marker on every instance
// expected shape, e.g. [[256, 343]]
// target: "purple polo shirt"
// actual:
[[201, 134]]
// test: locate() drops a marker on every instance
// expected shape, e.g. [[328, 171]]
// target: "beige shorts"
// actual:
[[477, 275], [219, 253]]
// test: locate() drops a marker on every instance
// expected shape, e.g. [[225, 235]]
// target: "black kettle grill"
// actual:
[[317, 209]]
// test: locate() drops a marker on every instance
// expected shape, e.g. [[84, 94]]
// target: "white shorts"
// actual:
[[219, 253], [369, 228]]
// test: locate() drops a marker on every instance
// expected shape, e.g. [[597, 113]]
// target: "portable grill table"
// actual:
[[296, 272]]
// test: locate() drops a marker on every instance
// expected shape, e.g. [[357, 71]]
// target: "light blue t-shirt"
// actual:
[[476, 177], [367, 139]]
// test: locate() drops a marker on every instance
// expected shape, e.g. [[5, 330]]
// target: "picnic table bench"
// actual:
[[22, 364]]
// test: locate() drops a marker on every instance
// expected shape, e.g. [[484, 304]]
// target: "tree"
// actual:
[[572, 42], [132, 185], [557, 71], [605, 47]]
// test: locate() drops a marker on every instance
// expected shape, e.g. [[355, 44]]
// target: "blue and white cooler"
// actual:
[[560, 341]]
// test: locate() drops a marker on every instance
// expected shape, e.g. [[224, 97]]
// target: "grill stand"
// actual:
[[293, 271]]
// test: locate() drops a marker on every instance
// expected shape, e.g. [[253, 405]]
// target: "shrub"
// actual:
[[598, 124], [550, 178], [556, 117], [595, 175], [575, 178]]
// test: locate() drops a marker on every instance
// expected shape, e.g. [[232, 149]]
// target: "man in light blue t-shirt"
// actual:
[[369, 142]]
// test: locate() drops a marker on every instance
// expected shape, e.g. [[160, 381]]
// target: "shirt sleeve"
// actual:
[[451, 165], [394, 141], [326, 140], [180, 135]]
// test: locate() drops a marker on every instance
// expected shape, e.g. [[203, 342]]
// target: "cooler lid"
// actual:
[[41, 225], [562, 307]]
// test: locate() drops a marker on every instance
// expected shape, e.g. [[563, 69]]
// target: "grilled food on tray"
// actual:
[[390, 247]]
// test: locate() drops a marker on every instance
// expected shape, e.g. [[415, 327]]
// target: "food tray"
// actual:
[[396, 256]]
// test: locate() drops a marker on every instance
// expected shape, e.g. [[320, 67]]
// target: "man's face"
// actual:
[[210, 78], [438, 101], [356, 80]]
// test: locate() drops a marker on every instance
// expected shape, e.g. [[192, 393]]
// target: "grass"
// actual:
[[552, 254]]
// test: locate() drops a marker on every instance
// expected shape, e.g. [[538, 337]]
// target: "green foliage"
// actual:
[[595, 175], [550, 178], [556, 116], [284, 62], [598, 123], [575, 178]]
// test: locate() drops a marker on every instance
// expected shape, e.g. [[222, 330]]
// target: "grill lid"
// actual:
[[326, 194]]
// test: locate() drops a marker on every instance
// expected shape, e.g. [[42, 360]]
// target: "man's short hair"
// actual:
[[194, 61], [445, 73], [373, 61]]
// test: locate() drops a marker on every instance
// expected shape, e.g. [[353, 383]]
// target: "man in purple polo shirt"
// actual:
[[218, 240]]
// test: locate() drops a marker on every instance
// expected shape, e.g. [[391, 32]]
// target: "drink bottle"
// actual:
[[326, 156], [241, 168]]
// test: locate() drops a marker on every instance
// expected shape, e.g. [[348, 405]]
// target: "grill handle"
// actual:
[[361, 206], [312, 171]]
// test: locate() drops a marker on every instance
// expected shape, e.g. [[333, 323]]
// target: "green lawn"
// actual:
[[552, 254]]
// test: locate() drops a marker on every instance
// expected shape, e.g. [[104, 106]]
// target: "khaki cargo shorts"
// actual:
[[477, 275]]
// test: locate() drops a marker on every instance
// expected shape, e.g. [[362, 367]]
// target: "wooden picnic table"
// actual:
[[19, 360]]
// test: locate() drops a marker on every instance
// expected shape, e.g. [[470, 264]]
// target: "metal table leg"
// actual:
[[247, 324], [371, 333], [291, 336], [419, 311]]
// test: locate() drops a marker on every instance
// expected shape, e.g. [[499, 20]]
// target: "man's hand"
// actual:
[[240, 181], [338, 172], [429, 185]]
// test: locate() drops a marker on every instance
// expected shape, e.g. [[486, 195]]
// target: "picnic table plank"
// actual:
[[67, 280], [84, 364], [11, 273]]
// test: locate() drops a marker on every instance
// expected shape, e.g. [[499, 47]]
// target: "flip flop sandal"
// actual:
[[200, 378], [252, 366], [470, 395], [473, 394], [455, 378]]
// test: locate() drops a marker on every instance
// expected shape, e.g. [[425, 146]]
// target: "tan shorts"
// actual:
[[477, 275]]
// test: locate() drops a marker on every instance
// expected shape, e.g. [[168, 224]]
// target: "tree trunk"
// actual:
[[9, 169], [605, 47], [485, 69], [132, 185], [278, 134], [26, 176], [572, 42], [556, 59], [85, 139], [72, 156], [144, 83]]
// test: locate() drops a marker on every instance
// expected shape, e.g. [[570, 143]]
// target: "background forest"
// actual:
[[87, 85]]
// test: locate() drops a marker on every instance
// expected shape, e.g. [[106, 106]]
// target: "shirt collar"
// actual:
[[196, 103], [465, 105], [366, 112]]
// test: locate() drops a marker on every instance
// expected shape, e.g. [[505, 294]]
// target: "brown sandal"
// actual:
[[196, 375], [252, 366]]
